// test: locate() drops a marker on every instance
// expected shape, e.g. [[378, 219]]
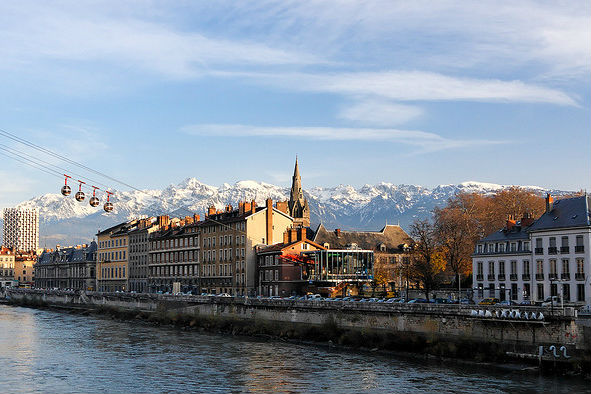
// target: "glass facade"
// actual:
[[341, 265]]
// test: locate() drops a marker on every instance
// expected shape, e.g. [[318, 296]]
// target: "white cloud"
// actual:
[[380, 113], [413, 86], [421, 140]]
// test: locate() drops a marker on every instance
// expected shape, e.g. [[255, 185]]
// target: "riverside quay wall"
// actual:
[[560, 338]]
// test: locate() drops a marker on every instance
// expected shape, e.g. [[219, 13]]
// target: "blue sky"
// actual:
[[415, 92]]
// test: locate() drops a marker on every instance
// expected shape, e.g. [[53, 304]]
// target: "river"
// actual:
[[44, 351]]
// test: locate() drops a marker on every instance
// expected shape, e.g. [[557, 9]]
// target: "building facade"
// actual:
[[281, 269], [112, 270], [390, 246], [24, 268], [228, 241], [67, 268], [139, 253], [21, 228], [174, 256], [7, 258], [553, 260]]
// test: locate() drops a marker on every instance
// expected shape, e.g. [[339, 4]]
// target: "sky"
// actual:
[[362, 92]]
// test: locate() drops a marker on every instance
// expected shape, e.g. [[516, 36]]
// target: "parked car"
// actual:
[[347, 299], [489, 301], [224, 295], [526, 303], [552, 301], [467, 301]]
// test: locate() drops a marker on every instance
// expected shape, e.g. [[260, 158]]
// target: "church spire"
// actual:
[[298, 206]]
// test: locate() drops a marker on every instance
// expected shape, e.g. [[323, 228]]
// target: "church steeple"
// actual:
[[298, 205]]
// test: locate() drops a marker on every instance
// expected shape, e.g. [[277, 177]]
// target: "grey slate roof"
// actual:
[[565, 213], [517, 233], [391, 236]]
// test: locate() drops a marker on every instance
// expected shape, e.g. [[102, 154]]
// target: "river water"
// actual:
[[43, 351]]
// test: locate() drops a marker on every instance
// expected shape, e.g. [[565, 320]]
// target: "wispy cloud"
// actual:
[[416, 86], [422, 141], [380, 113]]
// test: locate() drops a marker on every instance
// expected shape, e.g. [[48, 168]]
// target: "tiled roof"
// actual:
[[565, 213]]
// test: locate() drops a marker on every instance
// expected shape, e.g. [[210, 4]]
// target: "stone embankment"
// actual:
[[560, 339]]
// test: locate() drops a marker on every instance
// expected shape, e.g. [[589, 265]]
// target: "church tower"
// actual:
[[298, 205]]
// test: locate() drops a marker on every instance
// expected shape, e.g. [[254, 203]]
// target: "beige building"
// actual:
[[7, 259], [228, 241], [112, 267], [24, 268]]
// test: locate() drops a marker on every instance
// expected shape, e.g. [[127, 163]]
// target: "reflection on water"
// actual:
[[46, 351]]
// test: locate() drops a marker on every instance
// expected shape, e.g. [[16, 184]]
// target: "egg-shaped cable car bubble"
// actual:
[[108, 207], [66, 190], [94, 201], [80, 194]]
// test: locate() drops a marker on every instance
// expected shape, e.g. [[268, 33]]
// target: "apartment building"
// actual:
[[21, 228], [7, 257], [228, 241], [174, 258], [532, 260], [139, 253], [112, 270], [72, 267]]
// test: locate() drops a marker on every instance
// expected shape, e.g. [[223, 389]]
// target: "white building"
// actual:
[[21, 228], [528, 261]]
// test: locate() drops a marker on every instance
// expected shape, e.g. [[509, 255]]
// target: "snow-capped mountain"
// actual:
[[65, 221]]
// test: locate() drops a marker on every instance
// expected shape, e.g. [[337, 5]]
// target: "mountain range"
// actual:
[[65, 221]]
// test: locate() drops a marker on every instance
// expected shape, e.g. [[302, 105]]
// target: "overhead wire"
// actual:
[[46, 169], [48, 165]]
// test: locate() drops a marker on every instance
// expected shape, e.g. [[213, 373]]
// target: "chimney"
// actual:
[[196, 218], [240, 208], [510, 223], [337, 232], [163, 221], [526, 220], [253, 206], [549, 203], [269, 221], [211, 210], [229, 208], [286, 237], [293, 234]]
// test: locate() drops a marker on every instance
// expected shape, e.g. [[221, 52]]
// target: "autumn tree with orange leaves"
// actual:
[[427, 260]]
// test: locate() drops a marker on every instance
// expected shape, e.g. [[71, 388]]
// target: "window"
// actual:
[[540, 267], [553, 268], [564, 241], [526, 290], [552, 242], [565, 266], [526, 267], [581, 292], [513, 267], [540, 291], [479, 248], [538, 242], [479, 269], [501, 268], [566, 292], [514, 292], [480, 290], [580, 266], [491, 267]]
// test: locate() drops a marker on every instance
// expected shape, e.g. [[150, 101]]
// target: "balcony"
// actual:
[[552, 250], [480, 277], [579, 249], [565, 276], [501, 276], [539, 276], [525, 277], [539, 250], [564, 249], [491, 277], [580, 276], [513, 277]]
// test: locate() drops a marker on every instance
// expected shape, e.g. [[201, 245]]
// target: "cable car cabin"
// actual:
[[66, 190], [80, 196], [108, 207], [94, 201]]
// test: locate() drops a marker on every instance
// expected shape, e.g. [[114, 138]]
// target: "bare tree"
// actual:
[[427, 259]]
